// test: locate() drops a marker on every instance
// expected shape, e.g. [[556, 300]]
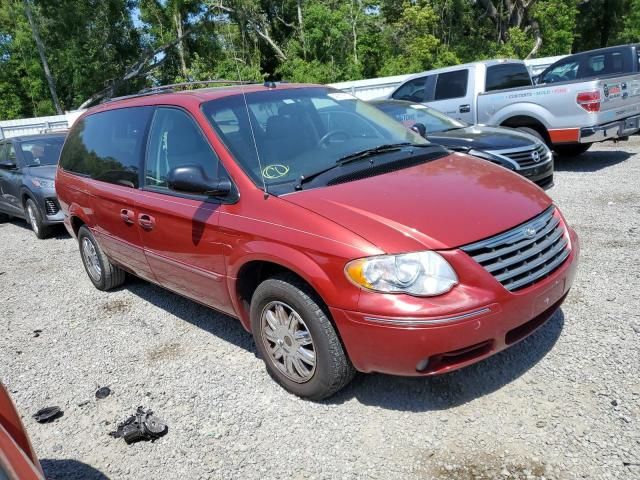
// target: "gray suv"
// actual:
[[27, 172]]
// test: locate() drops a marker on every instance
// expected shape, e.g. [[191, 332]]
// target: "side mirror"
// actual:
[[420, 129], [8, 165], [192, 179]]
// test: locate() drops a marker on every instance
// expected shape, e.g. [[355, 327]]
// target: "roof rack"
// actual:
[[172, 88]]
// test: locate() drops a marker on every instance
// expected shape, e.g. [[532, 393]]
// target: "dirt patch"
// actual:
[[167, 351], [488, 467], [116, 306]]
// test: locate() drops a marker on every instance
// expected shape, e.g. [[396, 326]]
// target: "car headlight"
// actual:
[[41, 183], [422, 274]]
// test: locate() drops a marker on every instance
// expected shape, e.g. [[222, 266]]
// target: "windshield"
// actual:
[[410, 114], [299, 131], [41, 151]]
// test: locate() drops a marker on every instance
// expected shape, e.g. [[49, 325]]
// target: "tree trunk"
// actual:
[[43, 58], [177, 20], [301, 28]]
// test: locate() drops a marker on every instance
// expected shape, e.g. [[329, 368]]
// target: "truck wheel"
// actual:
[[34, 218], [534, 132], [103, 274], [572, 150], [4, 217], [296, 339]]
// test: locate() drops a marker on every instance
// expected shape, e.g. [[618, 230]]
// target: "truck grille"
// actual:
[[526, 157], [51, 204], [525, 254]]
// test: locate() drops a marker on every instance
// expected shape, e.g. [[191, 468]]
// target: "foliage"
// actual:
[[93, 44]]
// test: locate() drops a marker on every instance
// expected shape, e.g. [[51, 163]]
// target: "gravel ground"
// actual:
[[563, 404]]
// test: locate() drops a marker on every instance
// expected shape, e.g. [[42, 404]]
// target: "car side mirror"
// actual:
[[8, 165], [420, 129], [192, 179]]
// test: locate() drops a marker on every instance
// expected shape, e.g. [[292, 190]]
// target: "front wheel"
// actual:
[[296, 339], [103, 274], [34, 218], [572, 150]]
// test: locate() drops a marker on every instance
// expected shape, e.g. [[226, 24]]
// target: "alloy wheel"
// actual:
[[91, 259]]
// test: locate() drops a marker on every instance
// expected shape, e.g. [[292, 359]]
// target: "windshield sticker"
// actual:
[[419, 106], [271, 172], [340, 96]]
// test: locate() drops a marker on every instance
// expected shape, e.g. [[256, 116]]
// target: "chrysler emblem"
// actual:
[[535, 156], [529, 232]]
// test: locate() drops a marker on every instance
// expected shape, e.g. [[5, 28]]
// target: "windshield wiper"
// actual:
[[354, 157]]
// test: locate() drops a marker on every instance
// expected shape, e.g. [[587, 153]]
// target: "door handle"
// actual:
[[465, 108], [127, 216], [146, 221]]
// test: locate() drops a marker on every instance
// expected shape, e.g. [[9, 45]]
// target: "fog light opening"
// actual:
[[422, 365]]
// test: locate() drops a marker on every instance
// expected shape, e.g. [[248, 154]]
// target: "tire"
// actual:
[[572, 150], [34, 219], [312, 332], [4, 217], [106, 276], [534, 132]]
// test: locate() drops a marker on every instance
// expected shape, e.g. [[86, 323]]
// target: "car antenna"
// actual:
[[246, 106]]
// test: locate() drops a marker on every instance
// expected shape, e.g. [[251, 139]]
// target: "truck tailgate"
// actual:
[[619, 98]]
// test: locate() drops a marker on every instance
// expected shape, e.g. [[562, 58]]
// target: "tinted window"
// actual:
[[176, 141], [452, 85], [608, 63], [10, 153], [41, 151], [107, 146], [413, 91], [510, 75]]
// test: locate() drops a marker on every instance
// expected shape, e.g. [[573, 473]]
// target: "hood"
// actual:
[[43, 171], [442, 204], [482, 138]]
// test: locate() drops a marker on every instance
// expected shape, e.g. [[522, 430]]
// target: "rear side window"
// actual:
[[107, 146], [452, 85], [608, 63], [413, 91], [510, 75]]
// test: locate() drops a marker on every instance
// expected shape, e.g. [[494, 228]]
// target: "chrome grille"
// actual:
[[51, 204], [525, 254], [524, 157]]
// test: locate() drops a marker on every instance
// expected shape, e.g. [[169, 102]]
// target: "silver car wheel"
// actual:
[[32, 219], [91, 259], [288, 341]]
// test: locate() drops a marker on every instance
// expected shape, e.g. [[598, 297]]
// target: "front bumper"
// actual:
[[541, 175], [620, 128], [491, 320]]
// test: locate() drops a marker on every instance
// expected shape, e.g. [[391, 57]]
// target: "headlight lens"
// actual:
[[423, 274], [41, 183]]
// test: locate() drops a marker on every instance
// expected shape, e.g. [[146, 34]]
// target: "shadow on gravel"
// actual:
[[591, 161], [418, 394], [58, 232], [209, 320], [70, 470]]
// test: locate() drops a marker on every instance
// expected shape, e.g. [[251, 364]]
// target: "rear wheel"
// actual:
[[296, 339], [103, 274], [34, 218], [572, 150], [4, 217]]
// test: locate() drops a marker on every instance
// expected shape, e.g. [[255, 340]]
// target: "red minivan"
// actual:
[[342, 240]]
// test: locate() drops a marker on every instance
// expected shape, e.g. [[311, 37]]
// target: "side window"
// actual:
[[562, 72], [510, 75], [108, 146], [452, 85], [11, 153], [414, 90], [175, 140]]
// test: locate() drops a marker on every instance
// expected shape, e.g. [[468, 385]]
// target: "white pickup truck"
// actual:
[[569, 113]]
